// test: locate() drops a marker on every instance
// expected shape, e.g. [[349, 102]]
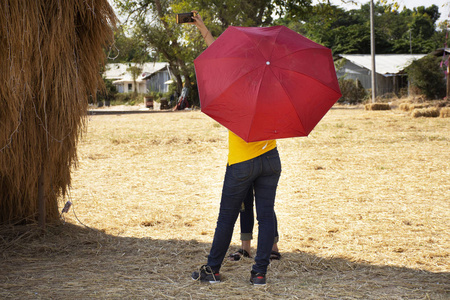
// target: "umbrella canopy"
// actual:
[[266, 83]]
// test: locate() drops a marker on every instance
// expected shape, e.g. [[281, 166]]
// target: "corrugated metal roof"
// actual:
[[385, 63], [127, 78], [119, 70], [441, 51]]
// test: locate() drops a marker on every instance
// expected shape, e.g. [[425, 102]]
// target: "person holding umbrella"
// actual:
[[251, 166]]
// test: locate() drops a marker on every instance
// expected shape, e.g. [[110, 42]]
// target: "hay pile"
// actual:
[[405, 106], [50, 56], [431, 109], [377, 106], [445, 112], [431, 112]]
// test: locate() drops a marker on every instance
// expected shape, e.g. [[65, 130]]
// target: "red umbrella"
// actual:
[[266, 83]]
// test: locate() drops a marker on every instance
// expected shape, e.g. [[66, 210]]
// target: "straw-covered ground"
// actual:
[[363, 209]]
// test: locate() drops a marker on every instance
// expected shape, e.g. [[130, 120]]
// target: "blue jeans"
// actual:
[[262, 173], [246, 218]]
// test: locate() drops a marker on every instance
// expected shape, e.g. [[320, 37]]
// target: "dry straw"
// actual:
[[431, 112], [445, 112], [362, 208], [377, 106], [405, 106], [50, 55]]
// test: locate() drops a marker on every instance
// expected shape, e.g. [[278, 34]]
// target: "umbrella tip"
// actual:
[[267, 62]]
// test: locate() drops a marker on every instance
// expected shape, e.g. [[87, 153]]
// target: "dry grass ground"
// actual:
[[363, 208]]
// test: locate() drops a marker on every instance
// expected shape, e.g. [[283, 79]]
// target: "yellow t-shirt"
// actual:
[[239, 150]]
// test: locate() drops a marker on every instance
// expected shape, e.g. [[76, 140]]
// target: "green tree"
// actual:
[[154, 22], [348, 32], [422, 24], [352, 91], [135, 71], [419, 30], [128, 47], [426, 75], [108, 93]]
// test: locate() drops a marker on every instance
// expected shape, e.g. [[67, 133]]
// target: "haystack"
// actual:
[[377, 106], [51, 52], [411, 106], [431, 112], [445, 112]]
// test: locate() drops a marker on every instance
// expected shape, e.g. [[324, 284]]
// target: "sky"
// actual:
[[444, 5]]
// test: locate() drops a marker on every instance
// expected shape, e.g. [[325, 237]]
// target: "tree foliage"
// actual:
[[345, 32], [108, 93], [352, 91], [426, 75], [153, 21], [135, 71], [128, 48], [348, 32]]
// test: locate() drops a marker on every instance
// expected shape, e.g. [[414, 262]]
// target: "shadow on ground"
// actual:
[[74, 262]]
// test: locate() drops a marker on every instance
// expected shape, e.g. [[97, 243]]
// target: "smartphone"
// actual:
[[185, 17]]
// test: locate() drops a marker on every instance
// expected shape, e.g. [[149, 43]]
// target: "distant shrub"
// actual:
[[377, 106], [426, 75], [126, 98], [352, 91], [108, 93]]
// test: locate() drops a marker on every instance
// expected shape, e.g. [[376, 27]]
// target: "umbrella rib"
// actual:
[[259, 87], [238, 78], [321, 48], [255, 104], [273, 48], [265, 70], [253, 42], [287, 94], [306, 75]]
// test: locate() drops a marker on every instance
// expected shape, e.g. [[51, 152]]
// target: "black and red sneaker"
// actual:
[[206, 275], [258, 278]]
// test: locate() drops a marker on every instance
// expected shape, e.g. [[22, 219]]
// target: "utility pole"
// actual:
[[410, 50], [444, 56], [448, 78], [372, 50], [410, 43]]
